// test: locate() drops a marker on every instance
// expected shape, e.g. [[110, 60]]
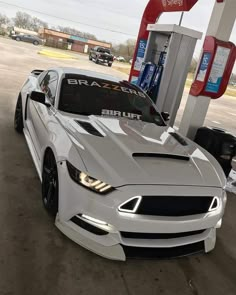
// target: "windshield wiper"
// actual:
[[83, 113]]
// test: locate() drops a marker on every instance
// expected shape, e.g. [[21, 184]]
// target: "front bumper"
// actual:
[[122, 250], [104, 60], [75, 200]]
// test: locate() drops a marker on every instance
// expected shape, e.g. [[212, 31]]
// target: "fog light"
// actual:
[[93, 219], [97, 222]]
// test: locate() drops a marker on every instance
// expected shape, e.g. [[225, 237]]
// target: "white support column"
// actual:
[[220, 26]]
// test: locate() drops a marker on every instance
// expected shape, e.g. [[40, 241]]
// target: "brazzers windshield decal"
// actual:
[[87, 96], [115, 87]]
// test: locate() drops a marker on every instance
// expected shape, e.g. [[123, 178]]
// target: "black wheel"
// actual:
[[36, 43], [90, 57], [18, 118], [110, 64], [50, 184], [97, 61], [17, 38]]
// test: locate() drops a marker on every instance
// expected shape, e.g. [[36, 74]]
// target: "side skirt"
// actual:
[[33, 152]]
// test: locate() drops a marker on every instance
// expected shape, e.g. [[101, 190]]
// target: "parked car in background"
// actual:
[[28, 38], [120, 59], [101, 54]]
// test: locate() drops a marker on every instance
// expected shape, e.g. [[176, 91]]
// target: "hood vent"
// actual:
[[163, 156], [179, 138], [89, 128], [37, 72]]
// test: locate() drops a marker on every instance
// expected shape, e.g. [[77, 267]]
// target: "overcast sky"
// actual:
[[108, 17]]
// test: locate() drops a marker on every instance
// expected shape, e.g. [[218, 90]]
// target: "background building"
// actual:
[[66, 41]]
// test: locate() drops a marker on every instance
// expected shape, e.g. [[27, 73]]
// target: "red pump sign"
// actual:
[[215, 68], [151, 14]]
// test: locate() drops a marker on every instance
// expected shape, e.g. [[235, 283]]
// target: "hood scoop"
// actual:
[[89, 128], [162, 156]]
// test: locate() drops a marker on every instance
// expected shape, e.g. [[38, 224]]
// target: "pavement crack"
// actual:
[[124, 281]]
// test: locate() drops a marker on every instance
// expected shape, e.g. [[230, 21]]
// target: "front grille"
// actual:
[[173, 206], [151, 236], [163, 253]]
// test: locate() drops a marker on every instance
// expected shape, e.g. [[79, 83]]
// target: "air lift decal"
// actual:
[[99, 84], [114, 113]]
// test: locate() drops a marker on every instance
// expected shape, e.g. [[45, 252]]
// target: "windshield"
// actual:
[[91, 96], [104, 50]]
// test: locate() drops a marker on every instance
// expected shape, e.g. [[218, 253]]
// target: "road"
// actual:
[[36, 259], [221, 113]]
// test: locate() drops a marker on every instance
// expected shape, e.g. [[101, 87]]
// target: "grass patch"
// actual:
[[56, 54], [122, 69]]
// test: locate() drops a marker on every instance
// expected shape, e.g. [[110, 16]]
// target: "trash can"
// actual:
[[219, 143]]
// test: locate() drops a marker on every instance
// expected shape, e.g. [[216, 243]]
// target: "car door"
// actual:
[[40, 115], [24, 38], [94, 52]]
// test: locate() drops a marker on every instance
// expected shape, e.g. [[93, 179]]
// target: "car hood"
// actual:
[[120, 151]]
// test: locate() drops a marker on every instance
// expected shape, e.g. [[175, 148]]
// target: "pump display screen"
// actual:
[[218, 69], [203, 67]]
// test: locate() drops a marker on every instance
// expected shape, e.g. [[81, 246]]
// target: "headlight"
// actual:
[[87, 181]]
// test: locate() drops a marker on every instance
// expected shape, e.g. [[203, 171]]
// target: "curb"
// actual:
[[54, 54]]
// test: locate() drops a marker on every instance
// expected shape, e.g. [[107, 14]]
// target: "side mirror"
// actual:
[[233, 163], [39, 97], [165, 116]]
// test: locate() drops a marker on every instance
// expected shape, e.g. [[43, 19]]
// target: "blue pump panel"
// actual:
[[146, 76]]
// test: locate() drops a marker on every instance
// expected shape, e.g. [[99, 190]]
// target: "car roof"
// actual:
[[76, 71]]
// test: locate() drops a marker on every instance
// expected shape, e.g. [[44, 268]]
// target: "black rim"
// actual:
[[50, 181], [18, 113]]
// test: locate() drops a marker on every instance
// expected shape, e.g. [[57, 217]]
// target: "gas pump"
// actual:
[[151, 74], [167, 58], [146, 76]]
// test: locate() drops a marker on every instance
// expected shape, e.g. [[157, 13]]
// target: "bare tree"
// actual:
[[4, 20], [25, 21], [37, 23], [125, 49], [22, 20], [130, 47], [76, 32]]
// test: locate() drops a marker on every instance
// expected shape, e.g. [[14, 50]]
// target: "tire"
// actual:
[[97, 61], [36, 43], [110, 64], [90, 57], [50, 184], [18, 118], [18, 39]]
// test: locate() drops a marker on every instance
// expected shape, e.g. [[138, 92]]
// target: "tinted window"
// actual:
[[49, 85], [104, 50], [41, 77], [89, 96]]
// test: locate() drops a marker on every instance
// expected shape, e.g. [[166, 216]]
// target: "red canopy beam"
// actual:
[[151, 14]]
